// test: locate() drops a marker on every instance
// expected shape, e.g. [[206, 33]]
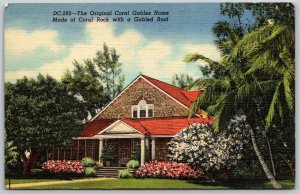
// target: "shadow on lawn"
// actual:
[[246, 184], [40, 174]]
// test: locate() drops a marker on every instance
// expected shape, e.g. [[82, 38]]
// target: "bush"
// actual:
[[133, 164], [63, 167], [125, 174], [109, 153], [173, 170], [199, 146], [88, 162], [90, 172]]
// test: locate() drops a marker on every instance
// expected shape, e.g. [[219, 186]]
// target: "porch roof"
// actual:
[[147, 126]]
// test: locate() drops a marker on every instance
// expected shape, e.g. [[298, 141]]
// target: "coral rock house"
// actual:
[[145, 115]]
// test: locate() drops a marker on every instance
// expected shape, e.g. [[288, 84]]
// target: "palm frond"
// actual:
[[272, 106], [287, 90]]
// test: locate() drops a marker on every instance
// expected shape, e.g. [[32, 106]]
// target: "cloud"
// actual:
[[20, 42], [208, 50], [157, 58]]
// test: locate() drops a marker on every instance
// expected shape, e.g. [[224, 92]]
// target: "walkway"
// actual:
[[22, 185]]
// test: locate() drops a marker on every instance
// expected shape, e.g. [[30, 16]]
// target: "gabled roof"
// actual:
[[149, 126], [184, 97]]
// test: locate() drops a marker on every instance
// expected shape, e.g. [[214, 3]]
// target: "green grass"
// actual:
[[164, 184], [28, 180]]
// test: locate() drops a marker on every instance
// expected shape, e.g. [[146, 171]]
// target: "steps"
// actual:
[[109, 172]]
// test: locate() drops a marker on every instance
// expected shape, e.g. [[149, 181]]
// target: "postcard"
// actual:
[[149, 96]]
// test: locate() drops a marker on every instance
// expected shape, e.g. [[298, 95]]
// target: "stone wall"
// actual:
[[164, 106], [161, 149]]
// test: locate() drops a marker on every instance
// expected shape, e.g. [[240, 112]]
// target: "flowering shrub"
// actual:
[[199, 146], [168, 170], [63, 167]]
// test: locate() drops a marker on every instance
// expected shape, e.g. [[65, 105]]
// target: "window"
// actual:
[[134, 111], [150, 110], [142, 110]]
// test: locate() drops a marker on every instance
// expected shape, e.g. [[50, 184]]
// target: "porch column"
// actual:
[[147, 142], [142, 151], [78, 149], [153, 149], [100, 151]]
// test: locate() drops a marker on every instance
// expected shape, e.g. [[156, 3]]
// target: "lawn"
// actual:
[[163, 184], [28, 180]]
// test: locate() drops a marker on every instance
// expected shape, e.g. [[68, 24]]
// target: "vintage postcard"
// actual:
[[149, 96]]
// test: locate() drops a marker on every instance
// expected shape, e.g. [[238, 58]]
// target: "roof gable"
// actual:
[[183, 97], [119, 127]]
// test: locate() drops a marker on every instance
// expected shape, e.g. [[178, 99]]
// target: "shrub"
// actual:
[[125, 174], [88, 162], [63, 167], [133, 164], [199, 146], [90, 172], [109, 153], [173, 170]]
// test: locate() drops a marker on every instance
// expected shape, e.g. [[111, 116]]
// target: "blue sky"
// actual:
[[33, 43]]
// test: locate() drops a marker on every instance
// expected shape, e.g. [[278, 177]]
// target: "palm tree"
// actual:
[[258, 80]]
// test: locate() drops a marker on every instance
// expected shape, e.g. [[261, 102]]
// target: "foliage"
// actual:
[[238, 14], [88, 162], [133, 164], [110, 68], [174, 170], [40, 114], [125, 174], [109, 153], [90, 172], [97, 80], [137, 152], [256, 74], [84, 83], [206, 71], [11, 155], [258, 79], [63, 167], [200, 147], [182, 80]]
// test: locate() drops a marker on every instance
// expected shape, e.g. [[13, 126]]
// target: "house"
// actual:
[[146, 114]]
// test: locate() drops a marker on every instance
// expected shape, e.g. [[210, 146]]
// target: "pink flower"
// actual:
[[168, 170]]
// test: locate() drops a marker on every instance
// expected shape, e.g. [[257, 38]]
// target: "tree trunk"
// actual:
[[271, 156], [28, 162], [226, 174], [263, 164]]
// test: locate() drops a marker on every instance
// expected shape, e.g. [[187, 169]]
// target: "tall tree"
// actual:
[[240, 81], [258, 81], [96, 81], [84, 83], [40, 114], [110, 70], [182, 80]]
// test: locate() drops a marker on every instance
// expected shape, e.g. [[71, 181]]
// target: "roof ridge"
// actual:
[[145, 76]]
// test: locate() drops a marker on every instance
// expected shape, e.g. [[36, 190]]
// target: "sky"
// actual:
[[34, 44]]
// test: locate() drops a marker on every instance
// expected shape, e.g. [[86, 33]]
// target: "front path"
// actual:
[[22, 185]]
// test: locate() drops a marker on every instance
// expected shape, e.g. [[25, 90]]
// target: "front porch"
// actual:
[[126, 146]]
